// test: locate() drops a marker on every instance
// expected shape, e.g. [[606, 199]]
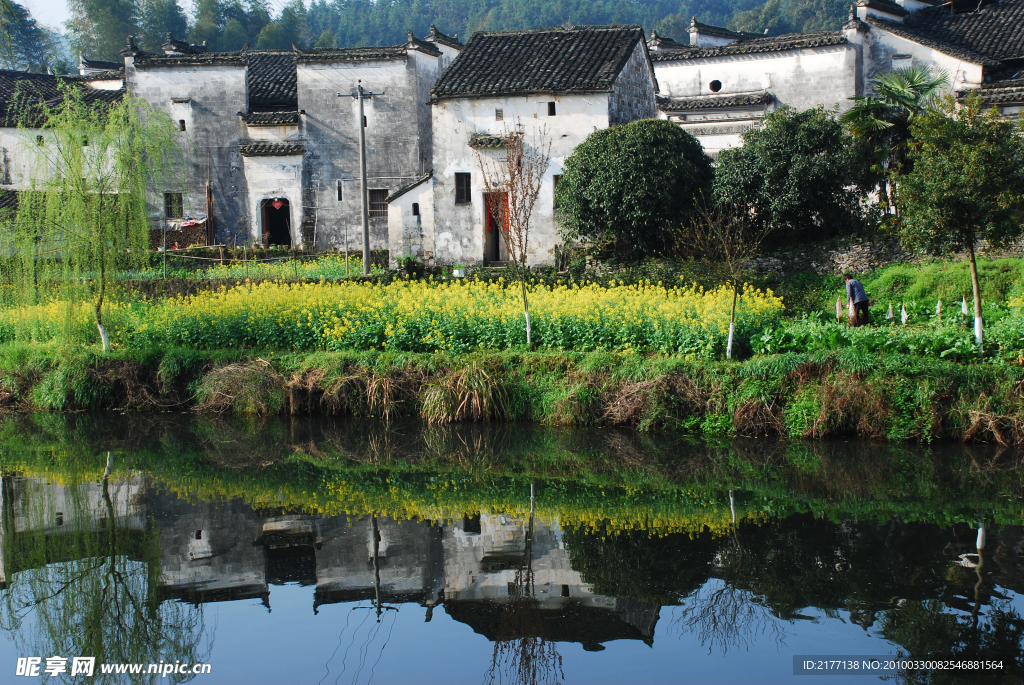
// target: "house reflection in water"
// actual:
[[226, 550]]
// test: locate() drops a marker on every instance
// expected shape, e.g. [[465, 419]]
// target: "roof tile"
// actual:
[[582, 59]]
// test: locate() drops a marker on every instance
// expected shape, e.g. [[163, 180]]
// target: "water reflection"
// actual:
[[118, 554]]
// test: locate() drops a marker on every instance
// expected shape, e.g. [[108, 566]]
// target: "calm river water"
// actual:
[[357, 552]]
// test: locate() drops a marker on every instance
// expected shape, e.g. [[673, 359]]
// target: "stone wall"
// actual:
[[215, 95], [632, 94]]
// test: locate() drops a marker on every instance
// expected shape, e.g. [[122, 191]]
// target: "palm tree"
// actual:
[[883, 120]]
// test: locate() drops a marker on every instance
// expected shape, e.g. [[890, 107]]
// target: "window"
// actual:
[[415, 208], [339, 192], [199, 535], [364, 121], [39, 140], [378, 203], [499, 114], [902, 61], [471, 524], [715, 86], [462, 189], [173, 206], [181, 124], [551, 109], [60, 518]]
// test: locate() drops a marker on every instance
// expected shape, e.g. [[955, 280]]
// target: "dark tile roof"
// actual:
[[996, 30], [264, 149], [436, 36], [271, 118], [8, 202], [486, 141], [671, 105], [656, 42], [182, 46], [930, 41], [112, 75], [409, 186], [582, 59], [998, 93], [353, 54], [35, 89], [271, 81], [719, 31], [886, 6], [146, 60], [97, 64], [791, 41]]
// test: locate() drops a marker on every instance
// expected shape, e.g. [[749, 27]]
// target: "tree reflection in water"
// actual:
[[521, 652], [722, 615], [87, 586]]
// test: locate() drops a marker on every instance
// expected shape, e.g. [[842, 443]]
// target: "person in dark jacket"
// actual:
[[856, 296]]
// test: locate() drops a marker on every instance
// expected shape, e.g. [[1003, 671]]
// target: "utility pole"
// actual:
[[361, 95]]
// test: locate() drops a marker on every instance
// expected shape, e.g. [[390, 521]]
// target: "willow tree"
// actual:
[[83, 217]]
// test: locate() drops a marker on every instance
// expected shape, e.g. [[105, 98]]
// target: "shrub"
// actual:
[[633, 182]]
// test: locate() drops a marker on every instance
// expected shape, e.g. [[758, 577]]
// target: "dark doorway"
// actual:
[[277, 223], [492, 237]]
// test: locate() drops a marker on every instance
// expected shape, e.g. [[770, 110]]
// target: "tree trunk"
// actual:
[[978, 326], [104, 340], [732, 322], [526, 306]]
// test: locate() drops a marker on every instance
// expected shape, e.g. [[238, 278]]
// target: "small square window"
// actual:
[[340, 197], [173, 206], [463, 194], [181, 124], [499, 114], [551, 109], [415, 208], [378, 203]]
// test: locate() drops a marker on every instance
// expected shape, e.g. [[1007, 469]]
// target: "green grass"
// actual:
[[822, 394]]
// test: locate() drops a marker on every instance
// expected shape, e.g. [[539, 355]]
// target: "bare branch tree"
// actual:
[[511, 187], [724, 236]]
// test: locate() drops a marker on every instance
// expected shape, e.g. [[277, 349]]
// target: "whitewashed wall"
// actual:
[[398, 142], [457, 232], [214, 130], [801, 78], [275, 177]]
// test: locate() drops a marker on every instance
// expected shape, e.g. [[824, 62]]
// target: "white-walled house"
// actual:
[[720, 83], [558, 85], [272, 136]]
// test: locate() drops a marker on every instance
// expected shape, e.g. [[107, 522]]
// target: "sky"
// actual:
[[54, 13]]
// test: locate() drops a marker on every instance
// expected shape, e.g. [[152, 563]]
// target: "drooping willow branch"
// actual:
[[96, 167]]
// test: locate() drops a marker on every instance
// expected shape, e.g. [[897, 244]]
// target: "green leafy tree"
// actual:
[[85, 217], [157, 19], [883, 120], [794, 174], [633, 183], [234, 36], [966, 185], [27, 45], [273, 37], [325, 40], [98, 27], [207, 23]]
